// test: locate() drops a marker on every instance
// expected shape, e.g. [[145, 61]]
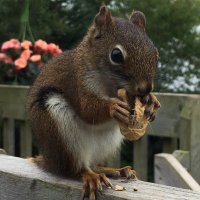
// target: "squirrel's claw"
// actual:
[[128, 172], [151, 106], [120, 111], [92, 182]]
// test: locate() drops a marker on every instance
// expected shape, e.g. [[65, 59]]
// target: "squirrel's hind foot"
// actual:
[[125, 172], [92, 183]]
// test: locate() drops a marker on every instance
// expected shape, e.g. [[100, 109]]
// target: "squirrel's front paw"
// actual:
[[120, 111], [151, 106]]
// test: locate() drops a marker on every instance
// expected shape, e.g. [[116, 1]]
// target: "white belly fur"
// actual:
[[91, 144]]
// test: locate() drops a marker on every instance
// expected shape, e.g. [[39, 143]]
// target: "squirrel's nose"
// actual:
[[144, 90]]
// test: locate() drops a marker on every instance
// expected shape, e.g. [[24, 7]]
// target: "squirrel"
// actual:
[[73, 106]]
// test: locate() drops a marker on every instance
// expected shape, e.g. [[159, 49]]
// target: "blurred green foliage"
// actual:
[[171, 24]]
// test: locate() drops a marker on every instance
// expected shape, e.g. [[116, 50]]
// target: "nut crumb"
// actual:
[[135, 189], [119, 188]]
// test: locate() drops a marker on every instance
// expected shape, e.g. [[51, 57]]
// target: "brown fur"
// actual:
[[68, 71]]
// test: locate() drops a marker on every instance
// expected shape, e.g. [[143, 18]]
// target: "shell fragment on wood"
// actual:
[[119, 188]]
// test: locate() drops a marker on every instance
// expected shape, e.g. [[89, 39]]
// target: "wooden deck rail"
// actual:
[[12, 111], [21, 179], [169, 171], [177, 120]]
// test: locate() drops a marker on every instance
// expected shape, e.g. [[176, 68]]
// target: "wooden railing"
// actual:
[[170, 171], [22, 179], [14, 126], [178, 123]]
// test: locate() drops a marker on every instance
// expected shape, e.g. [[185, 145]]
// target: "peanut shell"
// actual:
[[137, 129]]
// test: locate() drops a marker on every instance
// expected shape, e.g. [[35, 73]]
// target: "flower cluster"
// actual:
[[20, 62]]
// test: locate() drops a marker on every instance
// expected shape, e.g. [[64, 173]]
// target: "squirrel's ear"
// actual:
[[139, 19], [102, 21]]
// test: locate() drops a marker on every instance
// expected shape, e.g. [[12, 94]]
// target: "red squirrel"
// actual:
[[73, 105]]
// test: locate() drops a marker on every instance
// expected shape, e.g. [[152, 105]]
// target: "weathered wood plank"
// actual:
[[169, 171], [184, 133], [178, 117], [9, 136], [25, 140], [167, 117], [12, 102], [21, 179], [183, 157], [174, 107], [195, 141], [140, 157]]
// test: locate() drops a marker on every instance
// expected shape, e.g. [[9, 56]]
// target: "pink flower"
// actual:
[[51, 47], [36, 58], [41, 45], [5, 58], [26, 44], [11, 44], [20, 63], [2, 56], [8, 60], [26, 54], [54, 49]]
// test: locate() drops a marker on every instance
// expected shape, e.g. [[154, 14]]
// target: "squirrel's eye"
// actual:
[[117, 56]]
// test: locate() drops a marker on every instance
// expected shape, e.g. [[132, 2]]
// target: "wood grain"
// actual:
[[9, 135], [183, 157], [178, 118], [20, 180], [169, 171], [25, 140], [12, 102], [195, 140]]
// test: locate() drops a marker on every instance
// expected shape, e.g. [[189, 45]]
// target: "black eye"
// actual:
[[117, 56]]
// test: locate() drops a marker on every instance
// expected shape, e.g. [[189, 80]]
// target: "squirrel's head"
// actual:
[[121, 48]]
